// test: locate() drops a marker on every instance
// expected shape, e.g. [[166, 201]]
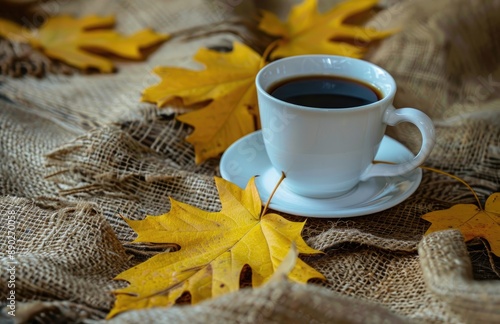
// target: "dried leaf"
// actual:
[[214, 248], [227, 80], [308, 32], [471, 220], [72, 40]]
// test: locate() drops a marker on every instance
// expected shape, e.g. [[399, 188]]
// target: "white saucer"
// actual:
[[247, 157]]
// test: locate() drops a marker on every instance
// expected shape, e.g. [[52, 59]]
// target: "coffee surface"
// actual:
[[325, 92]]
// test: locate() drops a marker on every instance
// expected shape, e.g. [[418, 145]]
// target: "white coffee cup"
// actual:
[[326, 152]]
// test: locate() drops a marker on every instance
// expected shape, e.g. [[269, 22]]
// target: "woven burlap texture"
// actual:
[[80, 151]]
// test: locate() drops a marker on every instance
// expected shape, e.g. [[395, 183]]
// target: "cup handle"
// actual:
[[393, 117]]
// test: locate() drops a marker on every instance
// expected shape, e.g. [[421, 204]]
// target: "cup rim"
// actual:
[[387, 97]]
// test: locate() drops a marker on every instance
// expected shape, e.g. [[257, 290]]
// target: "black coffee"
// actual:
[[325, 92]]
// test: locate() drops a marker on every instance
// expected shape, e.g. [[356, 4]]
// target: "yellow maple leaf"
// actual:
[[471, 220], [228, 80], [70, 40], [214, 248], [308, 32]]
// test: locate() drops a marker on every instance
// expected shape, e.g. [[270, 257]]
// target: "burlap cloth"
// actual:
[[77, 151]]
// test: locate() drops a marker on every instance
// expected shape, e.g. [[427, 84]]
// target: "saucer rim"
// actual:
[[416, 178]]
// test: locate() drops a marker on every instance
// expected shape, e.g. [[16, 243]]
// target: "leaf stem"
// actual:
[[456, 178], [449, 175], [269, 49], [283, 176]]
